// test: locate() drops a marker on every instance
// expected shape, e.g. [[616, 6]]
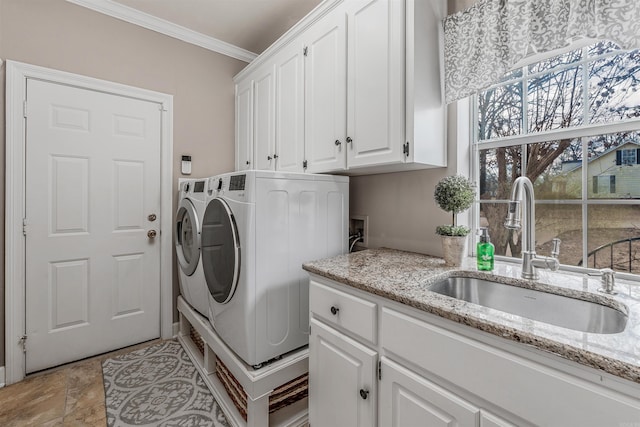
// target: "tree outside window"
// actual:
[[572, 125]]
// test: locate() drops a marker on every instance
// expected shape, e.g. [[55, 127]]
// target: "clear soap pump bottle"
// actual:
[[485, 251]]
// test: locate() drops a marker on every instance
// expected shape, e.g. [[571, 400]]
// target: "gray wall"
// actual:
[[59, 35]]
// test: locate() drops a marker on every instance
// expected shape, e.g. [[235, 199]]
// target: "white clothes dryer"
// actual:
[[192, 196], [259, 227]]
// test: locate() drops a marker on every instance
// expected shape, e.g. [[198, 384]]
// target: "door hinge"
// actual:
[[305, 50], [405, 149], [379, 370], [24, 108], [304, 165], [23, 340], [25, 226]]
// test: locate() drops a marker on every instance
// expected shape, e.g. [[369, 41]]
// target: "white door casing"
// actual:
[[92, 180], [18, 75]]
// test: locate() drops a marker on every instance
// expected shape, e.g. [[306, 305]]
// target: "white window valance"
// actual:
[[485, 41]]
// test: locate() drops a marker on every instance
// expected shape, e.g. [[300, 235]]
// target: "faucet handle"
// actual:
[[608, 278], [555, 251]]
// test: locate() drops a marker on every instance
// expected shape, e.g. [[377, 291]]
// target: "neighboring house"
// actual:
[[614, 174]]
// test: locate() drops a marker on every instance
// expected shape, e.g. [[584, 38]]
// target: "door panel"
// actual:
[[92, 177], [326, 93], [339, 368], [375, 106], [264, 122], [244, 125], [408, 400], [290, 108]]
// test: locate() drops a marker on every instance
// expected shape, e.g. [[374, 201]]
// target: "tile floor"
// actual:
[[69, 395]]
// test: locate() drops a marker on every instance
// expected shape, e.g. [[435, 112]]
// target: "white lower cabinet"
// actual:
[[342, 380], [377, 362], [409, 400], [487, 419]]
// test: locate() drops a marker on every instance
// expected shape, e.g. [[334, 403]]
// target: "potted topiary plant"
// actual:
[[454, 194]]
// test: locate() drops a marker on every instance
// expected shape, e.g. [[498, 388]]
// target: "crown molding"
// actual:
[[136, 17]]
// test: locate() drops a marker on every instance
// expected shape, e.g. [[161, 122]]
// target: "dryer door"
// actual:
[[220, 250], [187, 237]]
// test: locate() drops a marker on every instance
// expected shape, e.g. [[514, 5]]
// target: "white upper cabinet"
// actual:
[[244, 124], [289, 116], [264, 111], [326, 93], [375, 70], [366, 96], [425, 118]]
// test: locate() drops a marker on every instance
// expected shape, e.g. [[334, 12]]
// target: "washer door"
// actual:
[[220, 250], [187, 237]]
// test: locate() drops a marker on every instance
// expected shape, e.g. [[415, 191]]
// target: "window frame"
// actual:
[[583, 131]]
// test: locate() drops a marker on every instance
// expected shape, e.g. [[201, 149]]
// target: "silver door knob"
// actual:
[[152, 234]]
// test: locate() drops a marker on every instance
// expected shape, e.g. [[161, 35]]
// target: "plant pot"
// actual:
[[454, 250]]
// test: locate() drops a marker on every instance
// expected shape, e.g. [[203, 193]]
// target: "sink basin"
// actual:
[[558, 310]]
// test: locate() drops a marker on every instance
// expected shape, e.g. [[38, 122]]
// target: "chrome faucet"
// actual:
[[530, 261]]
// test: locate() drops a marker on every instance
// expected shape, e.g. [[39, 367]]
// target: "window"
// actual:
[[572, 125], [627, 157], [604, 184]]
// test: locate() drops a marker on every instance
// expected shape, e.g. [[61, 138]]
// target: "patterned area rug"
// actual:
[[158, 386]]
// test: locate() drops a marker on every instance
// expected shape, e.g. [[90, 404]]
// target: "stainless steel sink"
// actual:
[[544, 307]]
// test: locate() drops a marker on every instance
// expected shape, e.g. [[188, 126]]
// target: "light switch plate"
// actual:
[[186, 165]]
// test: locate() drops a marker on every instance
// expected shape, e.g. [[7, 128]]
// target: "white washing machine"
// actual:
[[192, 197], [259, 227]]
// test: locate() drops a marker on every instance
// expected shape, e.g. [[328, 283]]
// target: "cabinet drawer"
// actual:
[[335, 307]]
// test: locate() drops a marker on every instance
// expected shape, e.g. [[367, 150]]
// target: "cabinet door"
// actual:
[[408, 400], [244, 124], [341, 380], [325, 91], [289, 147], [487, 419], [264, 107], [375, 85]]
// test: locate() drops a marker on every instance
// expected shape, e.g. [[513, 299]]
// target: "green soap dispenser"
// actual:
[[485, 251]]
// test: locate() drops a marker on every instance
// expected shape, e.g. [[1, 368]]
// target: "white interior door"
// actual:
[[92, 180]]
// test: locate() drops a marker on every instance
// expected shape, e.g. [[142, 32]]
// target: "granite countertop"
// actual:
[[403, 277]]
